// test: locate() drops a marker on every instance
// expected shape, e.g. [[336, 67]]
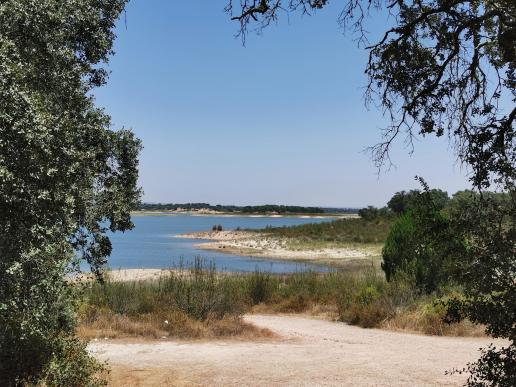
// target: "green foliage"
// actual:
[[364, 301], [471, 242], [423, 243], [495, 366], [65, 177], [198, 291], [403, 201], [488, 278], [372, 213], [400, 247], [70, 365], [337, 231], [260, 287]]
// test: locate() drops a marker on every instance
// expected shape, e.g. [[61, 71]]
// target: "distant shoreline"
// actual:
[[243, 214]]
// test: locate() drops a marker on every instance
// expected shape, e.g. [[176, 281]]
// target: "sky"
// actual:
[[281, 120]]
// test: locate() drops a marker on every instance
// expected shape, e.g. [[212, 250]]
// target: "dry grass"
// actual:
[[298, 305], [123, 376], [176, 325], [418, 321]]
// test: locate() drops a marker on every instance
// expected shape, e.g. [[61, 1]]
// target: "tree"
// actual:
[[398, 252], [368, 213], [447, 67], [372, 213], [399, 202], [423, 244], [65, 179], [488, 277], [402, 201]]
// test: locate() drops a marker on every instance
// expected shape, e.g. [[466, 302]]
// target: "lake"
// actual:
[[152, 243]]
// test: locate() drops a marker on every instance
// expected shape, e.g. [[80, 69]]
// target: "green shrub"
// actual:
[[198, 291], [364, 301], [423, 244], [204, 294], [399, 249], [259, 287], [71, 365]]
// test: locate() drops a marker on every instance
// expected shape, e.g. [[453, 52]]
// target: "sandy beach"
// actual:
[[123, 275], [126, 275]]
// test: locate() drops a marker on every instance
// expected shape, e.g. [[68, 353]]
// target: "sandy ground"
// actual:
[[137, 274], [262, 245], [122, 275], [307, 352]]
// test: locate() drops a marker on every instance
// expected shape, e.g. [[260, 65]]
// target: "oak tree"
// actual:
[[65, 179]]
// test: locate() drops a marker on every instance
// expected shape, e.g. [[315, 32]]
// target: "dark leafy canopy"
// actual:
[[65, 178], [423, 242], [402, 201], [488, 277], [371, 213], [263, 209], [446, 67]]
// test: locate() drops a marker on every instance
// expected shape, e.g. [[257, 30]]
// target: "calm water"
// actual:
[[151, 244]]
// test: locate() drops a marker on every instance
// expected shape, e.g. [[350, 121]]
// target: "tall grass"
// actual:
[[197, 301], [190, 302]]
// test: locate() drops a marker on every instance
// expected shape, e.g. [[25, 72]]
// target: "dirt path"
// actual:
[[307, 352]]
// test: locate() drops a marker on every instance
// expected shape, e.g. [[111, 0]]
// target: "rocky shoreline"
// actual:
[[259, 244]]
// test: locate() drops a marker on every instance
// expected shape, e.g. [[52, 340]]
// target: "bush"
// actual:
[[400, 247], [71, 365], [36, 331], [372, 213], [403, 201], [423, 244], [259, 287], [487, 276], [496, 367], [364, 301]]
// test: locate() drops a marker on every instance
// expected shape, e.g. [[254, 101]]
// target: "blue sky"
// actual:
[[281, 120]]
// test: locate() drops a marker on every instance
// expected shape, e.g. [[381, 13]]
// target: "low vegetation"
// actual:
[[198, 302], [193, 303], [337, 232]]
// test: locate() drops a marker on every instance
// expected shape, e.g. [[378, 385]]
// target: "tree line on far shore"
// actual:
[[262, 209]]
